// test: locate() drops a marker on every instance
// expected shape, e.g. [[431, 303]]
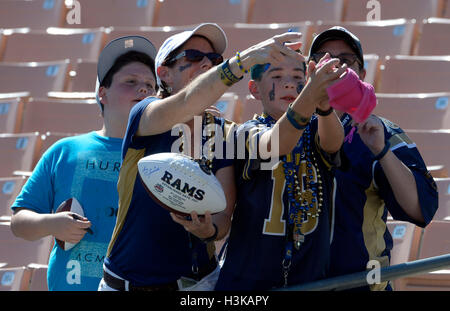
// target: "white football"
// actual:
[[69, 205], [180, 184]]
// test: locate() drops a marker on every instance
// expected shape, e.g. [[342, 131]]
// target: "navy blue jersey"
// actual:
[[364, 198], [257, 241], [147, 246]]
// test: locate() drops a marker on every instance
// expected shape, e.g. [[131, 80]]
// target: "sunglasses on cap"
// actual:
[[195, 56], [344, 58]]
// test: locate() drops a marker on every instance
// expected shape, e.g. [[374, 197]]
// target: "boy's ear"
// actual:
[[102, 94], [163, 74], [254, 90]]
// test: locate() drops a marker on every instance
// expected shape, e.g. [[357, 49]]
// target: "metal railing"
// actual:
[[390, 273]]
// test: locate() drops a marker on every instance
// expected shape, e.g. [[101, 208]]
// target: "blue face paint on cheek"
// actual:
[[183, 68], [272, 93], [300, 87]]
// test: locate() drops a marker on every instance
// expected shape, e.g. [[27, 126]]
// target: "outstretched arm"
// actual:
[[207, 88]]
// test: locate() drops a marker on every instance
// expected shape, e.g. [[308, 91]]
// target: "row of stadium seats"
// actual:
[[40, 14], [386, 37], [414, 243], [392, 74]]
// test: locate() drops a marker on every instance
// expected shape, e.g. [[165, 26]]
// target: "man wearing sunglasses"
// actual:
[[385, 173], [152, 249]]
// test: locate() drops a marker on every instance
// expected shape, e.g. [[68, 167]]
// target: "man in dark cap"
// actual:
[[385, 173]]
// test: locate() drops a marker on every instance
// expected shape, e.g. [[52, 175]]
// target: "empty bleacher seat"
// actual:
[[15, 278], [156, 35], [384, 37], [434, 145], [19, 252], [82, 76], [414, 74], [438, 171], [38, 279], [357, 10], [38, 78], [11, 106], [242, 36], [106, 13], [415, 111], [435, 242], [36, 14], [433, 39], [9, 189], [269, 11], [371, 65], [443, 211], [53, 44], [227, 104], [406, 238], [188, 12], [18, 152], [60, 115]]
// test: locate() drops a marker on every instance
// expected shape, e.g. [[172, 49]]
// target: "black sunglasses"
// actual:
[[344, 58], [194, 56]]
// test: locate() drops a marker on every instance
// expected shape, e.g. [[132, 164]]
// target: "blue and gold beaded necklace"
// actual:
[[301, 202]]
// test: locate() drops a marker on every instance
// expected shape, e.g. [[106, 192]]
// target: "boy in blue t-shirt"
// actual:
[[86, 167]]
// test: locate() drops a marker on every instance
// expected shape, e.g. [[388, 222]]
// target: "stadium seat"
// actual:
[[11, 106], [435, 242], [24, 252], [438, 171], [425, 111], [288, 11], [15, 278], [414, 74], [177, 13], [384, 37], [9, 189], [357, 10], [107, 13], [443, 211], [36, 78], [371, 64], [38, 280], [250, 107], [242, 36], [82, 76], [433, 39], [443, 185], [227, 104], [434, 145], [406, 238], [18, 152], [157, 35], [61, 115], [36, 14], [53, 44]]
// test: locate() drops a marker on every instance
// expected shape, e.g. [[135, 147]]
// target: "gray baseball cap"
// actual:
[[211, 31], [116, 48]]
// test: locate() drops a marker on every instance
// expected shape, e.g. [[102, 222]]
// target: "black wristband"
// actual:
[[213, 237], [324, 113], [383, 152]]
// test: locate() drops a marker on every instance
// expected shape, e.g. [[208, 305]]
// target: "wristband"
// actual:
[[383, 152], [213, 237], [297, 120], [324, 113], [238, 60], [227, 77]]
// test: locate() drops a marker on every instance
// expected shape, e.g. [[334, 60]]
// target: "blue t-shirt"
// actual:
[[364, 197], [85, 167], [258, 237], [147, 246]]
